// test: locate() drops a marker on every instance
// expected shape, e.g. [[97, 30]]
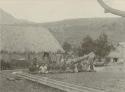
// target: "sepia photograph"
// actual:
[[62, 45]]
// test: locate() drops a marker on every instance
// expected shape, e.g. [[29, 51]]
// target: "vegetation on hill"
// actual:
[[73, 30]]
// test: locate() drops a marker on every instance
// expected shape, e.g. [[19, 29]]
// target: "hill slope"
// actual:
[[75, 30], [6, 18]]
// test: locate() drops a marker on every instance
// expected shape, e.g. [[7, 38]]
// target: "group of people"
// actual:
[[80, 67], [84, 63], [41, 68]]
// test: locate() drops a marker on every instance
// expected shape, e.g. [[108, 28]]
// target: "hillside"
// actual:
[[6, 18], [74, 30]]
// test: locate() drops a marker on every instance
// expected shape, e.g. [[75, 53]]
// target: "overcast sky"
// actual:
[[54, 10]]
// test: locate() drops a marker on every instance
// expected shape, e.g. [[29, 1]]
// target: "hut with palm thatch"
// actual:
[[26, 42], [118, 55]]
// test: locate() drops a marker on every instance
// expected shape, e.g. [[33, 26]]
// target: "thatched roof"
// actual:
[[114, 54], [17, 38], [119, 52]]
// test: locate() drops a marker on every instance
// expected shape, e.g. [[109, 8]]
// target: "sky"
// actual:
[[54, 10]]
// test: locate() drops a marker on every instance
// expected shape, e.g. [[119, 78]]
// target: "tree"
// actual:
[[87, 45], [67, 46], [103, 47], [80, 52]]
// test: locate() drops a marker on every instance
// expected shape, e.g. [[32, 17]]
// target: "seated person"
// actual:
[[43, 69]]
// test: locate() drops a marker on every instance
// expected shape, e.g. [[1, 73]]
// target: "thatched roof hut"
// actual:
[[119, 52], [114, 54], [17, 38]]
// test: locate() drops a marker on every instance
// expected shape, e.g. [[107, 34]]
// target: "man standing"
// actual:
[[91, 61]]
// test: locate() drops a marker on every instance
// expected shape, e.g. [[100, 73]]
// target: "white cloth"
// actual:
[[43, 69]]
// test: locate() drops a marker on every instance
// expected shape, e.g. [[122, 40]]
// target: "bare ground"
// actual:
[[22, 85], [108, 81]]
